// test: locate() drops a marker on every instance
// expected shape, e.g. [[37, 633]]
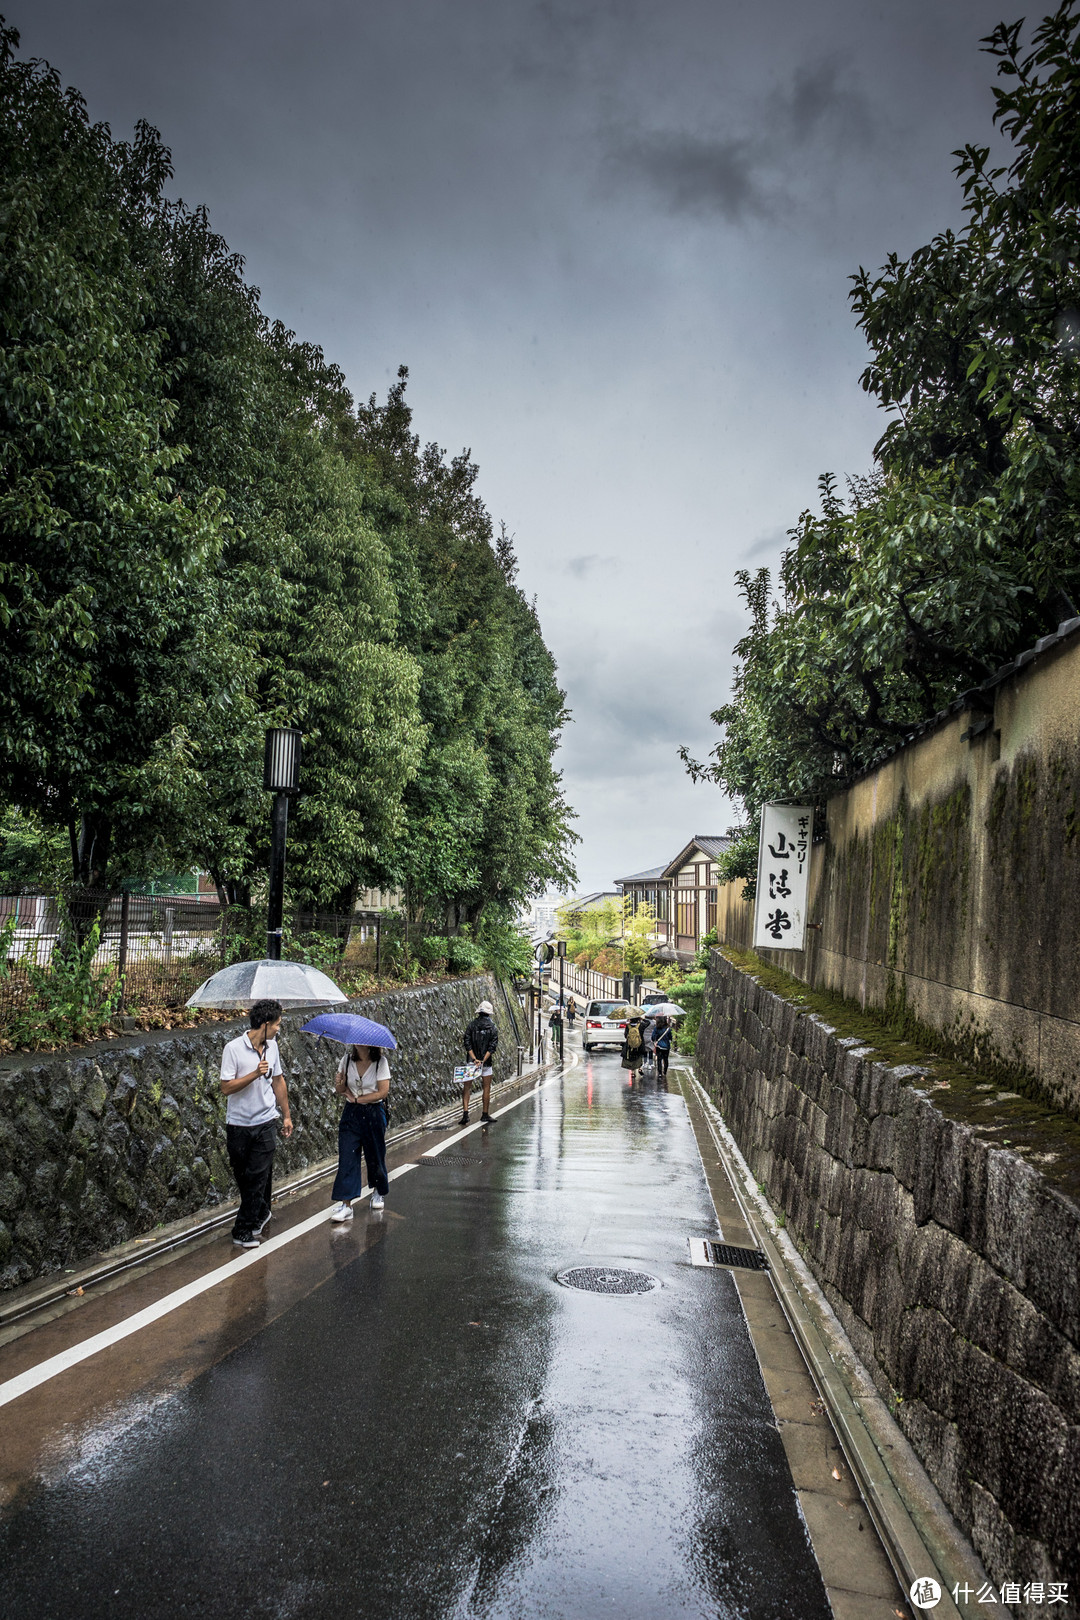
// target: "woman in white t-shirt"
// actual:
[[363, 1079]]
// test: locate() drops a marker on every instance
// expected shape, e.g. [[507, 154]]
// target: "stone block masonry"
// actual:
[[102, 1146], [952, 1265]]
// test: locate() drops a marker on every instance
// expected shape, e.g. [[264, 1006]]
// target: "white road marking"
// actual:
[[25, 1381], [54, 1365]]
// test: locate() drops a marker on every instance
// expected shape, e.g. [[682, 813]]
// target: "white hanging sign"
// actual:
[[783, 876]]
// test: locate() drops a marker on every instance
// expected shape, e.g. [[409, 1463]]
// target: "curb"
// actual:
[[918, 1532]]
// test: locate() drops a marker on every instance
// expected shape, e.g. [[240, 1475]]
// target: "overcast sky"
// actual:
[[610, 239]]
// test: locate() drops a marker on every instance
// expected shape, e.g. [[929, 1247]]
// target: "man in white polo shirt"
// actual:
[[252, 1080]]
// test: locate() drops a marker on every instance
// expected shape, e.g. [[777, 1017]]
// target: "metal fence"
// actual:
[[586, 983], [70, 963]]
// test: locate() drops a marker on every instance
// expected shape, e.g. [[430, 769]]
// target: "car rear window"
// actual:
[[607, 1009]]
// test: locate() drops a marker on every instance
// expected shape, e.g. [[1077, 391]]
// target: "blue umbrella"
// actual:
[[351, 1030]]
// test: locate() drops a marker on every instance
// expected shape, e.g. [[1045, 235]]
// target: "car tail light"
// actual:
[[593, 1024], [622, 1026]]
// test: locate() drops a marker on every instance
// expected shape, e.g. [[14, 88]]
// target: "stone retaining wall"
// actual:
[[951, 1263], [104, 1145]]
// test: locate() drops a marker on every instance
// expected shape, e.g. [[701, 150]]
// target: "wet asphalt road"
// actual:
[[439, 1429]]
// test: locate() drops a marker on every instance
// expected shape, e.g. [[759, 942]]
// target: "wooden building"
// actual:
[[682, 893]]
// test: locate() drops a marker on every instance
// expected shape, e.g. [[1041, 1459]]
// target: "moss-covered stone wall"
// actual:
[[103, 1146], [950, 1261]]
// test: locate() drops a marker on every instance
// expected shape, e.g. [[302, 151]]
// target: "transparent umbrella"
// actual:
[[294, 984], [666, 1009]]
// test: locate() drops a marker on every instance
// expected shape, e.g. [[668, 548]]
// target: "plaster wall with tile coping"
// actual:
[[947, 885]]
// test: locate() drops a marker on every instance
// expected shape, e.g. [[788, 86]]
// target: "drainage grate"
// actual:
[[707, 1252], [607, 1280], [724, 1254], [454, 1158]]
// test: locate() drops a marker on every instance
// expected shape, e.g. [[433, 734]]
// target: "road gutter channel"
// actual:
[[21, 1313], [917, 1531]]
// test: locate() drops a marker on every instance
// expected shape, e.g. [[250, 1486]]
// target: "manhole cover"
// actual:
[[607, 1280]]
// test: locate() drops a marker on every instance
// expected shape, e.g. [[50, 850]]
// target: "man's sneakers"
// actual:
[[377, 1200], [264, 1223], [485, 1119], [342, 1211], [245, 1240]]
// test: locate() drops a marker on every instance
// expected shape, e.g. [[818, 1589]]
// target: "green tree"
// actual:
[[959, 550], [592, 930], [32, 857], [305, 581], [486, 821], [111, 642]]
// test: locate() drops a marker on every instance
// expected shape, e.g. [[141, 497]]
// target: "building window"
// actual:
[[687, 915], [710, 912], [661, 905]]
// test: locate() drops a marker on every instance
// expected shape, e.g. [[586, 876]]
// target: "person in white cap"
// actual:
[[481, 1039]]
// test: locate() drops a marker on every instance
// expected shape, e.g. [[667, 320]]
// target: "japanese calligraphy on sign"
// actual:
[[783, 876]]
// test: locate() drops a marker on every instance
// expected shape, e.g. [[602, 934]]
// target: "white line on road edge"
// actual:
[[25, 1381], [441, 1147]]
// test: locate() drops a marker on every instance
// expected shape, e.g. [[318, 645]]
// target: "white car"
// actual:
[[605, 1024]]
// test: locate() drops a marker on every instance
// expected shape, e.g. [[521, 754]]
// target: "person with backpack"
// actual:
[[481, 1040], [633, 1052], [662, 1043], [363, 1079]]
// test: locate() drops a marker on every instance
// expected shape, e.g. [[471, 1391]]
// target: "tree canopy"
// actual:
[[959, 548], [201, 535]]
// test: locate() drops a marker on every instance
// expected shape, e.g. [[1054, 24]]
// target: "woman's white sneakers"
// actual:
[[344, 1211]]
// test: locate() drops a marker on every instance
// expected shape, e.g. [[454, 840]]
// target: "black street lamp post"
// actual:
[[281, 777]]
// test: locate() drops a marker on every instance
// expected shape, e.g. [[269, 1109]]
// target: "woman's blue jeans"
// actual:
[[361, 1138]]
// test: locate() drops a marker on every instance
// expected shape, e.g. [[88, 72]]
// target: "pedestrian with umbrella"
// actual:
[[665, 1034], [253, 1082], [362, 1080]]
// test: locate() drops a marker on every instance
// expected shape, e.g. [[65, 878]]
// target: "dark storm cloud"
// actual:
[[699, 174], [776, 540], [582, 566], [475, 189], [746, 173]]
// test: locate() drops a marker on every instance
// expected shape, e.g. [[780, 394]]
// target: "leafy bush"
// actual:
[[740, 859], [434, 950], [689, 992], [464, 954], [507, 952], [67, 1001], [315, 948]]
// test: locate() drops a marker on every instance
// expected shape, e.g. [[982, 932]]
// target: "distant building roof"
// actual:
[[709, 844], [650, 876], [582, 902]]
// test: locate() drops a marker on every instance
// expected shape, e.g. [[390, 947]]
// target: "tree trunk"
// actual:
[[88, 899]]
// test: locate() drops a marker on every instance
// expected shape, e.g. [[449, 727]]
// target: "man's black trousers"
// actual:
[[251, 1154]]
